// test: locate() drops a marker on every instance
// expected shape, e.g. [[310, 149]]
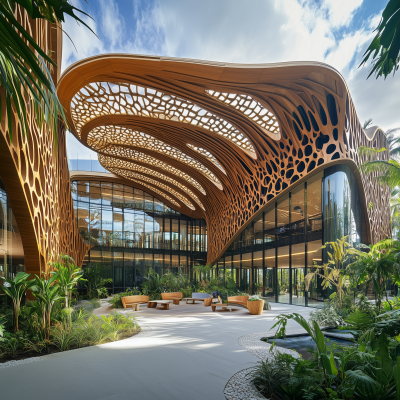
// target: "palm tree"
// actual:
[[385, 47], [24, 66], [378, 266], [15, 290], [46, 294], [67, 275], [333, 272]]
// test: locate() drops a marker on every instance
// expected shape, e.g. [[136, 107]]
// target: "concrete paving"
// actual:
[[190, 354]]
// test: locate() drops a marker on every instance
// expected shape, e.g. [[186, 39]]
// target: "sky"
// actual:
[[336, 32]]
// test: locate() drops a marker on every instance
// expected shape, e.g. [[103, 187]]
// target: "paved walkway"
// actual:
[[190, 353]]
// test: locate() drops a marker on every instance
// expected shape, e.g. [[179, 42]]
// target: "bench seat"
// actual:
[[128, 301], [240, 300], [176, 297]]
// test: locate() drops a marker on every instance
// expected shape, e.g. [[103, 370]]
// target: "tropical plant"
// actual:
[[46, 294], [378, 266], [385, 46], [333, 272], [15, 290], [93, 280], [67, 275], [369, 370], [24, 66], [202, 272]]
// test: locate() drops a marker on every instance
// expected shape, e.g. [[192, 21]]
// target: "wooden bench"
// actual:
[[224, 307], [176, 297], [129, 301], [240, 300], [164, 304]]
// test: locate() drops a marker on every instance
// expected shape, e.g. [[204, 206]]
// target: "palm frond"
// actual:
[[24, 66]]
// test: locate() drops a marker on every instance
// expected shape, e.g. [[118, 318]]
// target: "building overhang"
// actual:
[[214, 140]]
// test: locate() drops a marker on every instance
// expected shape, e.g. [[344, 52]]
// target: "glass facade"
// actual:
[[11, 250], [132, 231], [273, 254]]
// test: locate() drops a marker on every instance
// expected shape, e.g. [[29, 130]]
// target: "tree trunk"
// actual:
[[16, 314]]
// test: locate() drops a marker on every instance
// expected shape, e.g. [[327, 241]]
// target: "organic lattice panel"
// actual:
[[105, 98], [251, 108], [207, 154], [104, 138], [314, 126], [130, 170], [35, 174]]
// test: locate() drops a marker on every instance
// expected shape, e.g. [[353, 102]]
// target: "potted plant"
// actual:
[[255, 305]]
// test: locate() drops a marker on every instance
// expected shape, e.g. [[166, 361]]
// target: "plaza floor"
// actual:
[[190, 353]]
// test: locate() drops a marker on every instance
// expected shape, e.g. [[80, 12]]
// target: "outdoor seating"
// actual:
[[224, 307], [241, 300], [205, 297], [164, 304], [128, 301], [174, 296]]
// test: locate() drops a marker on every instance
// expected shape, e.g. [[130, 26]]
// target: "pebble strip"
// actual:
[[239, 386], [12, 363]]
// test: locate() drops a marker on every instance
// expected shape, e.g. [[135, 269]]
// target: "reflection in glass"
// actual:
[[12, 258], [342, 211], [121, 221]]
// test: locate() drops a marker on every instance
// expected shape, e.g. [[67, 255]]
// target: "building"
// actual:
[[248, 167]]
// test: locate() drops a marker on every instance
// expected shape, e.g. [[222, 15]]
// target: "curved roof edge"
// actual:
[[370, 135]]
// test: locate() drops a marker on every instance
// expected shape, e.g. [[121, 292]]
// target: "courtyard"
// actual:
[[188, 352]]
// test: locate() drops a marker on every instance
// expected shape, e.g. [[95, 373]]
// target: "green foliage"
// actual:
[[385, 47], [24, 65], [46, 294], [67, 275], [369, 370], [94, 282], [380, 265], [17, 288]]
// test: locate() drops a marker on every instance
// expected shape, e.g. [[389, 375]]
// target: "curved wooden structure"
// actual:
[[241, 300], [35, 173], [220, 141]]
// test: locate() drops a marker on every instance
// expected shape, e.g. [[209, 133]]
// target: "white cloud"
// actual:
[[81, 42], [112, 22]]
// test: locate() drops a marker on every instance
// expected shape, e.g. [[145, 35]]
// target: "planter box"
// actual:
[[255, 307], [207, 302]]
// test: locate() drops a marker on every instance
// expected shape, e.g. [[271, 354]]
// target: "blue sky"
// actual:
[[336, 32]]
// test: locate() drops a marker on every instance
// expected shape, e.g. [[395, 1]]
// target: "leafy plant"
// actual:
[[67, 275], [94, 282], [24, 65], [385, 47], [17, 288], [46, 294], [332, 272]]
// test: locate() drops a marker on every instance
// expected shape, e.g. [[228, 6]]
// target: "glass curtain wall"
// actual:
[[132, 231], [11, 251], [274, 253]]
